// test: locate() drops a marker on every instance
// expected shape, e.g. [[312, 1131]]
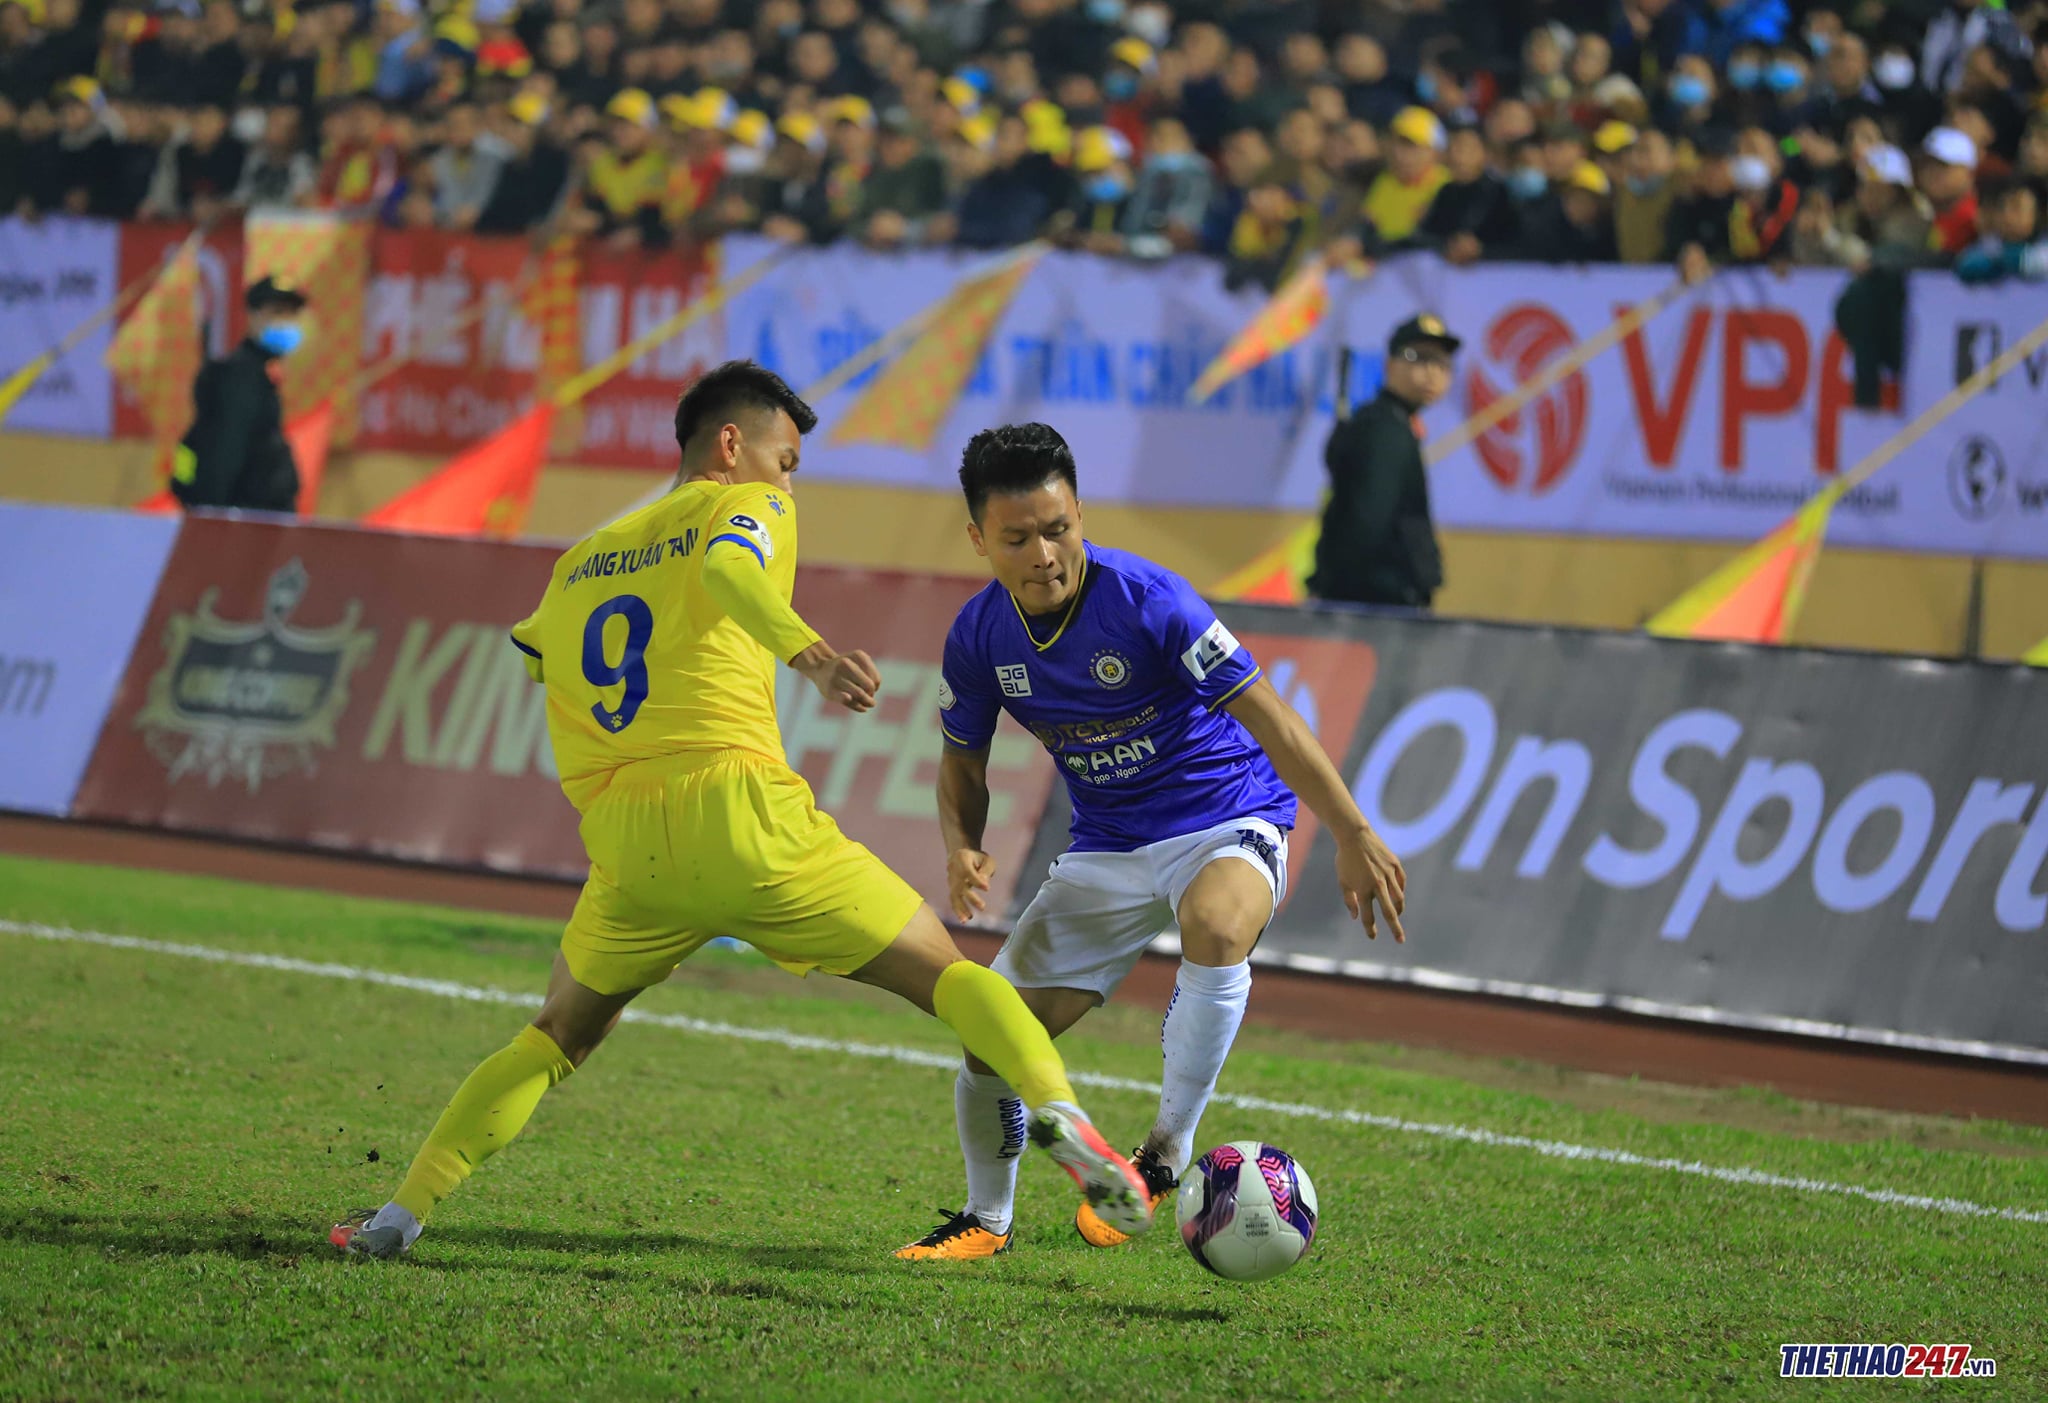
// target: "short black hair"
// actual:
[[734, 387], [1015, 458]]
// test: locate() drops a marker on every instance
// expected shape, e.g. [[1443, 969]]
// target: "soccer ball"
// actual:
[[1247, 1211]]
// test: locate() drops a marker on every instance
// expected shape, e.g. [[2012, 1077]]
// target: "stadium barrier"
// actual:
[[1712, 422], [1834, 844], [355, 690], [74, 586]]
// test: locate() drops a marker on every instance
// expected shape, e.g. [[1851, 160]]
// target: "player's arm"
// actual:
[[736, 580], [1367, 869], [968, 712]]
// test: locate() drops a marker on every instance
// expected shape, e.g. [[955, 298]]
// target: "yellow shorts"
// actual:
[[690, 848]]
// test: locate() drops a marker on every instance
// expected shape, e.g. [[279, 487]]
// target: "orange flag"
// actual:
[[156, 352], [1288, 316], [1756, 597], [908, 402], [1276, 575], [309, 435], [162, 504], [484, 491]]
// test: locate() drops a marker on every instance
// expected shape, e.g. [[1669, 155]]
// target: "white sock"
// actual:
[[1208, 1004], [392, 1216], [991, 1120]]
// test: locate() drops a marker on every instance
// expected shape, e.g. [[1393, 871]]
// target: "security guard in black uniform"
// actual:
[[1378, 545], [235, 454]]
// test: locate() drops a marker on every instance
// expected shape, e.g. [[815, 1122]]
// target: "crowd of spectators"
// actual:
[[1866, 134]]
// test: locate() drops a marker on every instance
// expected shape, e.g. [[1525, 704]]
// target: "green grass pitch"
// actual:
[[696, 1216]]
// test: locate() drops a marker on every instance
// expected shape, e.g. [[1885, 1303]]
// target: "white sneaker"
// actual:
[[354, 1236]]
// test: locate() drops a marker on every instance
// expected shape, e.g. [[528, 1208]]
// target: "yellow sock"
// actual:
[[993, 1023], [489, 1109]]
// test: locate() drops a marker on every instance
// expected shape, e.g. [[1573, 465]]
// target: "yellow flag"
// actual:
[[1277, 575], [2037, 655], [908, 402], [1756, 597], [18, 383], [1288, 316], [156, 353], [327, 259]]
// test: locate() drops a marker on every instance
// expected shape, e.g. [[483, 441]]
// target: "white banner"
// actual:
[[1715, 421], [1988, 463], [54, 274]]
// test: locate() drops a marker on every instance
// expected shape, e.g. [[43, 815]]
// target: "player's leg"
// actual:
[[489, 1109], [1223, 906], [1074, 943], [1000, 1032]]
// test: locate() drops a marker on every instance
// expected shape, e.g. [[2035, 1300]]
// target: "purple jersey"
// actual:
[[1125, 688]]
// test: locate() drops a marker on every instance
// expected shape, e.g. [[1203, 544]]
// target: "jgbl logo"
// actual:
[[1525, 338], [1902, 801]]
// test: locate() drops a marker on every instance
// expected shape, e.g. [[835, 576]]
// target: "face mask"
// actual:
[[1120, 86], [1784, 77], [1527, 182], [1688, 90], [744, 160], [1820, 44], [1751, 173], [1175, 161], [1105, 189], [281, 338], [1154, 26], [249, 125], [1425, 87], [1893, 72], [1744, 76], [1106, 11], [1645, 184]]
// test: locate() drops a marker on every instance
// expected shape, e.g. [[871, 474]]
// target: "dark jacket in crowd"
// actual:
[[1482, 208], [527, 191], [239, 454], [1377, 545], [1006, 206]]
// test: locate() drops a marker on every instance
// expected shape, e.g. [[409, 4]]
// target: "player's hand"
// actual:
[[968, 873], [1370, 876], [844, 679]]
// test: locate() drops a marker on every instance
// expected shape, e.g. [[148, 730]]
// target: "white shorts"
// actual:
[[1097, 912]]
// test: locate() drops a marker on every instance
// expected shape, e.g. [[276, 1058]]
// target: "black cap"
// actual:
[[274, 292], [1421, 328]]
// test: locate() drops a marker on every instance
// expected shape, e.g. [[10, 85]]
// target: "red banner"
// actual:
[[449, 307], [354, 689]]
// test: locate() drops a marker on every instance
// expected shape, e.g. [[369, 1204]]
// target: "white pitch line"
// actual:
[[917, 1057]]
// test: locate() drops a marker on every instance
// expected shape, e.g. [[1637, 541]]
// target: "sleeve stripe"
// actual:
[[1256, 674], [530, 652], [737, 540], [963, 744]]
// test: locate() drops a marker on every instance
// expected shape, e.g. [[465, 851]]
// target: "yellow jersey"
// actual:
[[1396, 208], [660, 633]]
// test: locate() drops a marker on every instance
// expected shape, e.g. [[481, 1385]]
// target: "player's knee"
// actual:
[[1222, 929]]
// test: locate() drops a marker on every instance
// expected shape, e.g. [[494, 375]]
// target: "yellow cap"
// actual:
[[1589, 177], [1040, 114], [979, 131], [1134, 53], [1613, 137], [716, 108], [857, 110], [752, 128], [801, 128], [83, 90], [1099, 148], [1419, 125], [961, 94], [632, 105], [529, 109], [459, 31]]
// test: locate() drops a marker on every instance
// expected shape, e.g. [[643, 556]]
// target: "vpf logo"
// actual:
[[1522, 340]]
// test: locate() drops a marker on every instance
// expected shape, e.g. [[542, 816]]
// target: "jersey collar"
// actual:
[[1067, 616]]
